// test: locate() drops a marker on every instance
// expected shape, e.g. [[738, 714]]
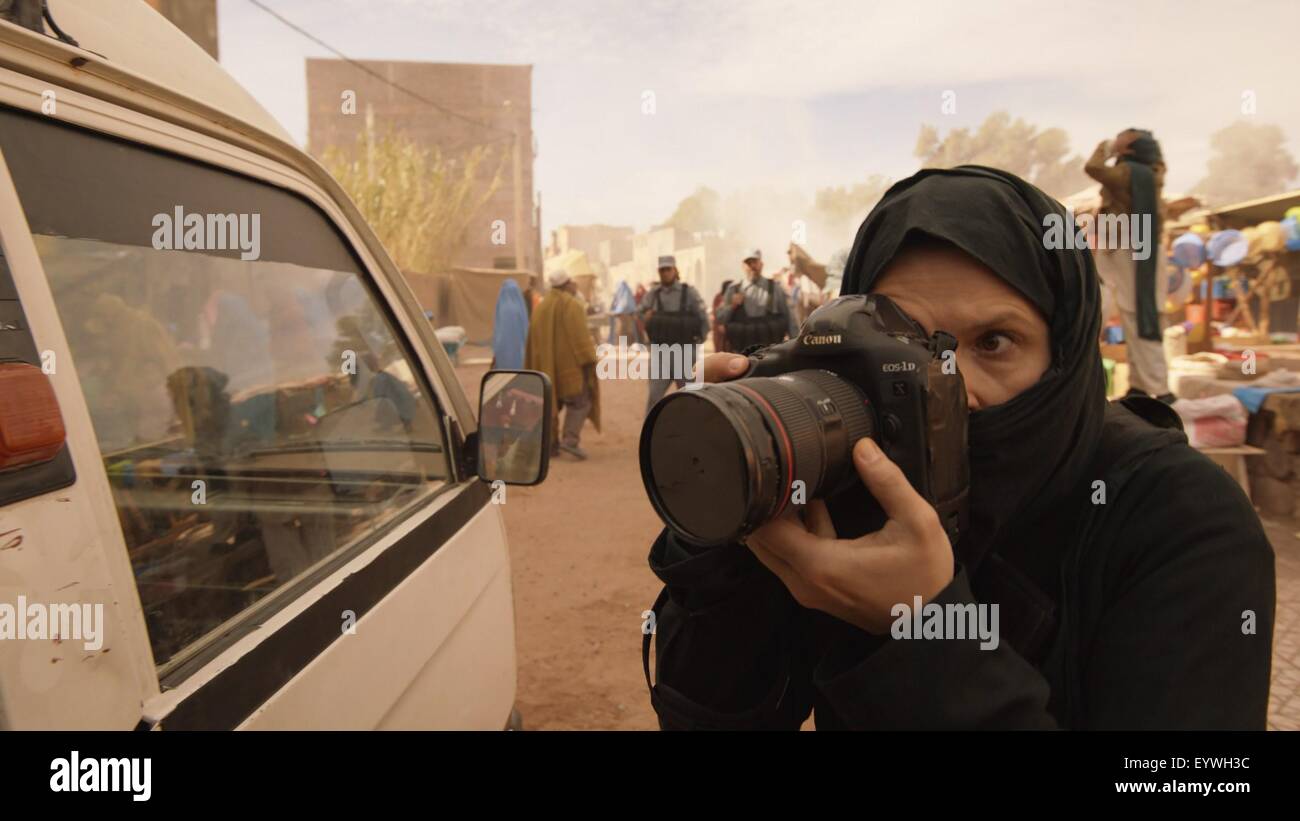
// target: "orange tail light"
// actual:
[[31, 427]]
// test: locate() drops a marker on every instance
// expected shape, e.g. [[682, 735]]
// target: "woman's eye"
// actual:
[[994, 343]]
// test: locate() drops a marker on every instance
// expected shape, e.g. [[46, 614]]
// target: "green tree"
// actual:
[[848, 205], [419, 201], [1247, 161], [1012, 145], [700, 212]]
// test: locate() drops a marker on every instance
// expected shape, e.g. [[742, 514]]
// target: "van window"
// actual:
[[258, 412]]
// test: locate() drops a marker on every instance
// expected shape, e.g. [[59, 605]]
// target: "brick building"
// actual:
[[197, 18], [604, 245], [704, 261], [498, 96]]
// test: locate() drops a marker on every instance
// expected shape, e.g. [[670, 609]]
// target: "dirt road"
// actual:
[[578, 545]]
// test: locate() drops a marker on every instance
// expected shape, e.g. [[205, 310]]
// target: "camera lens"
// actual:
[[720, 460]]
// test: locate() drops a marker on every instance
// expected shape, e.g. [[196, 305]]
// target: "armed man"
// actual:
[[756, 311], [674, 314]]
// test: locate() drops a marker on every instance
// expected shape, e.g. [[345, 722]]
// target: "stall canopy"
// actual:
[[1089, 200], [579, 268], [1251, 212], [464, 296], [573, 261]]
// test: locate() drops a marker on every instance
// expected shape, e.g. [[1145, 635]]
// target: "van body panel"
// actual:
[[125, 43], [431, 656]]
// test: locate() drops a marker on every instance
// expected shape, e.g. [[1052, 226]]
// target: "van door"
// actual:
[[54, 555], [301, 546]]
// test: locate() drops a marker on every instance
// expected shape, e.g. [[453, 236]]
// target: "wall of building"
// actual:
[[647, 247], [624, 272], [615, 251], [722, 262], [703, 261], [498, 96], [197, 18], [593, 240]]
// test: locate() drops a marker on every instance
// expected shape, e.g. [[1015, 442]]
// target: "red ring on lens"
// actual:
[[785, 440]]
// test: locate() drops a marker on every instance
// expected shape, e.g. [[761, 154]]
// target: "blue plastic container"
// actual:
[[1223, 288]]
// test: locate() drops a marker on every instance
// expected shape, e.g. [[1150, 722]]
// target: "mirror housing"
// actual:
[[516, 420]]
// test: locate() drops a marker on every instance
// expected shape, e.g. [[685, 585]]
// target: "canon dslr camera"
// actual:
[[720, 460]]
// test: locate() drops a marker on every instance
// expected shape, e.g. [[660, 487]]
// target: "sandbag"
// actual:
[[1214, 422]]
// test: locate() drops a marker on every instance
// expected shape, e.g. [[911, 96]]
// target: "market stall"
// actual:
[[1232, 342]]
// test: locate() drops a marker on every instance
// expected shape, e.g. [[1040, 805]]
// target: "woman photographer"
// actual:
[[1134, 582]]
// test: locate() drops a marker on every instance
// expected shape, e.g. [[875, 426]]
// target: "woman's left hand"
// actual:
[[860, 580]]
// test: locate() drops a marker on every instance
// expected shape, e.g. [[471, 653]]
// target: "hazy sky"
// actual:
[[803, 94]]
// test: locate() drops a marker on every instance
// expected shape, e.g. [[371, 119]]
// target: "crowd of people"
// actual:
[[550, 332], [771, 308]]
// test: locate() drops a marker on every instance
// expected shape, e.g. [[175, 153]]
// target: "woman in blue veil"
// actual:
[[509, 328]]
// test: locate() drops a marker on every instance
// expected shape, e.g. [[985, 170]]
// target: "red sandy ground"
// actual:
[[578, 546]]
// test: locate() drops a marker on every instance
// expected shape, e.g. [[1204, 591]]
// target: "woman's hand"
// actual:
[[719, 367], [860, 580]]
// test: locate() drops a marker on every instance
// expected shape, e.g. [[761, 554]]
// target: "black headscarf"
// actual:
[[1028, 453], [1145, 148], [1142, 157]]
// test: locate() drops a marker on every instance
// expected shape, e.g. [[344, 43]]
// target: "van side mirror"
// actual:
[[516, 417]]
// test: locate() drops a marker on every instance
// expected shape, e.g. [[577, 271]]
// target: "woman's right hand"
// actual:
[[719, 367]]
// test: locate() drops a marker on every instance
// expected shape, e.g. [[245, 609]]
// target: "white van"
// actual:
[[239, 482]]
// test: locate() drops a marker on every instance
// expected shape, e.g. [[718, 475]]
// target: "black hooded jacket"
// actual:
[[1134, 581]]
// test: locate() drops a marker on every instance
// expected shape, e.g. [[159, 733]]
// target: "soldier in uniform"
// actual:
[[674, 314]]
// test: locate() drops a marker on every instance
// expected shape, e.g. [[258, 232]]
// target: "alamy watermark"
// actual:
[[948, 621], [1122, 232], [662, 361], [37, 621], [180, 231], [128, 775]]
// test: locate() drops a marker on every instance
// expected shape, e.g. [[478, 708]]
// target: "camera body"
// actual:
[[917, 395], [721, 460]]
